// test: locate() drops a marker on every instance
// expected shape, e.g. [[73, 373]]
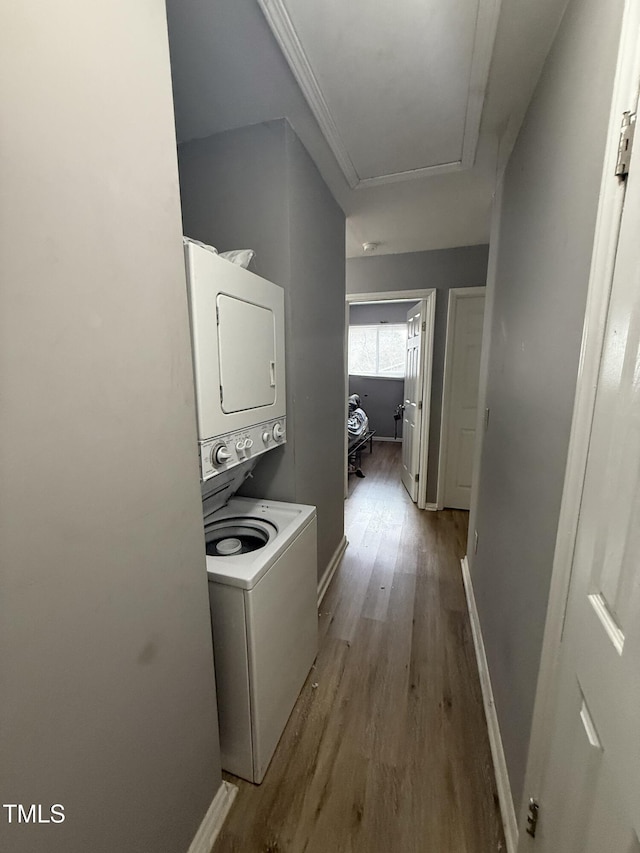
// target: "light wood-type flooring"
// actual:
[[386, 750]]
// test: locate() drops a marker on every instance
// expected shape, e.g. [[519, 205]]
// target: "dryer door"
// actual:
[[246, 353]]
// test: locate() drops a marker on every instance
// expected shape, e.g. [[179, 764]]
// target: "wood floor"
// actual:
[[386, 750]]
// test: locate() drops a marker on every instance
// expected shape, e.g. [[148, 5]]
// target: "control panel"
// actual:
[[226, 451]]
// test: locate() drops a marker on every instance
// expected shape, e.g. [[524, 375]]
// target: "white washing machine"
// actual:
[[261, 566]]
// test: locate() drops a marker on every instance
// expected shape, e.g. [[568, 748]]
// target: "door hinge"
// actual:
[[221, 396], [627, 130], [419, 405], [417, 478], [424, 325], [532, 817], [217, 316]]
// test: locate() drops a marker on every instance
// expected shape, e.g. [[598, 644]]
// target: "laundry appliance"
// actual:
[[261, 566], [237, 342], [260, 554]]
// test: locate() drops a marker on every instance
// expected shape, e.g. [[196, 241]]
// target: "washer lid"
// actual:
[[218, 491]]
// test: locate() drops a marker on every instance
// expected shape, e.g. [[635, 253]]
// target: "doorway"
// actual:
[[382, 368]]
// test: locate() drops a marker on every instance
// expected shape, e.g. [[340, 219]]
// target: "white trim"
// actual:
[[387, 438], [624, 97], [390, 296], [431, 507], [412, 174], [376, 376], [455, 293], [281, 25], [616, 636], [205, 837], [503, 785], [329, 572], [287, 37], [483, 42], [483, 381]]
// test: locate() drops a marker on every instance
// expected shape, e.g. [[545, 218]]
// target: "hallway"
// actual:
[[386, 749]]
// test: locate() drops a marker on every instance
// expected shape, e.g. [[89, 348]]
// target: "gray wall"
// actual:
[[443, 269], [257, 188], [379, 397], [108, 699], [369, 313], [546, 232]]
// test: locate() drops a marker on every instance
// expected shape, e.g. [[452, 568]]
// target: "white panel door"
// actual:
[[463, 371], [413, 385], [590, 795]]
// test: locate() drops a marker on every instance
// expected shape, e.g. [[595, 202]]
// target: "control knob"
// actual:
[[220, 454], [266, 436], [278, 432], [243, 445]]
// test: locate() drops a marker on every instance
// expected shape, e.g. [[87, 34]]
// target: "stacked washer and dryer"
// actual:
[[261, 555]]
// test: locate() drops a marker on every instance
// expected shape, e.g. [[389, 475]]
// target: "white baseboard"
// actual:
[[507, 810], [211, 825], [385, 438], [431, 507], [330, 571]]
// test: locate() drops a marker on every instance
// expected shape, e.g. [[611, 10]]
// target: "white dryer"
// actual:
[[261, 566], [237, 342]]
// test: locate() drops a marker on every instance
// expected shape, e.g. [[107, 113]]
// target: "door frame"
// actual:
[[429, 296], [455, 293], [610, 205]]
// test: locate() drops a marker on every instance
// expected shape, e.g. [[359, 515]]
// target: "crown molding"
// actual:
[[279, 20]]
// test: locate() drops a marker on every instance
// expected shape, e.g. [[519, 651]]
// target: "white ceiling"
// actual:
[[405, 98], [395, 101]]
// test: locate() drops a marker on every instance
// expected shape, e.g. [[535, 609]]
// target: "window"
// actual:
[[378, 350]]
